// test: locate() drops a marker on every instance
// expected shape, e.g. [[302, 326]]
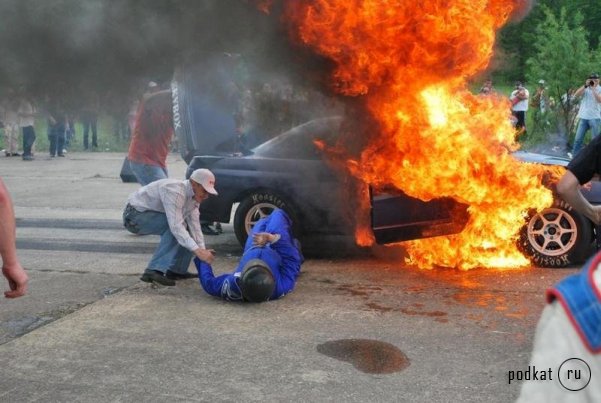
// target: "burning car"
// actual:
[[558, 236], [289, 172]]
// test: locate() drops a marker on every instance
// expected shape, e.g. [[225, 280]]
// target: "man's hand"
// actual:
[[17, 280], [206, 255], [262, 238]]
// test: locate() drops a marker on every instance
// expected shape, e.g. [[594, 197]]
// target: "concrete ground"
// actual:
[[360, 326]]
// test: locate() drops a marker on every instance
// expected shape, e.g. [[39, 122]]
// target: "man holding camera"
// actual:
[[589, 113]]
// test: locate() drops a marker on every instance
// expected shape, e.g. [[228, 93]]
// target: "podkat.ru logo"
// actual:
[[573, 374]]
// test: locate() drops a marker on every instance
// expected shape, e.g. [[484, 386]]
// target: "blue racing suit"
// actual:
[[283, 258], [581, 300]]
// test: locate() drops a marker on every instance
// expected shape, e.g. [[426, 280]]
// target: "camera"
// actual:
[[590, 83]]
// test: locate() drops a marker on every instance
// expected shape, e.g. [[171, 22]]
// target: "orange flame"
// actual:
[[411, 60]]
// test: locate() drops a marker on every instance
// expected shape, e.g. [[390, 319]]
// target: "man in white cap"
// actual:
[[169, 208]]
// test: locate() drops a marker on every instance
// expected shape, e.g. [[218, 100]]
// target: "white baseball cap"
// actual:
[[205, 178]]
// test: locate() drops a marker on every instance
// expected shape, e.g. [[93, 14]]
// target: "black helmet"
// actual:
[[256, 281]]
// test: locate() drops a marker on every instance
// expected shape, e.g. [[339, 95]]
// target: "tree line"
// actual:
[[559, 42]]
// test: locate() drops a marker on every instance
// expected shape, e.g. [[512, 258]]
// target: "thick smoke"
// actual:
[[113, 46]]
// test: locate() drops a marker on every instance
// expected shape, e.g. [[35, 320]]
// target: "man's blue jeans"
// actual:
[[146, 174], [583, 125], [169, 255], [57, 140], [28, 140]]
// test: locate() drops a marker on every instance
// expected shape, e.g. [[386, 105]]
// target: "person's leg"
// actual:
[[27, 142], [169, 255], [86, 131], [537, 120], [595, 125], [153, 223], [94, 133], [53, 141], [521, 125], [181, 261], [146, 174], [60, 143], [13, 135], [165, 254], [579, 138], [7, 141], [31, 140], [144, 223]]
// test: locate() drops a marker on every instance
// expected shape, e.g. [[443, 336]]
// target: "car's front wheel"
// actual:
[[557, 237], [255, 206]]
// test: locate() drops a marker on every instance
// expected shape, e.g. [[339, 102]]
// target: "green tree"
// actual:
[[562, 57], [516, 39]]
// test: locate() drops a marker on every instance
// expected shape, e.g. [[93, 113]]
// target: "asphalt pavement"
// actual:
[[359, 327]]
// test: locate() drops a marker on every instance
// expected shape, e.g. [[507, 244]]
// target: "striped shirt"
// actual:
[[175, 198]]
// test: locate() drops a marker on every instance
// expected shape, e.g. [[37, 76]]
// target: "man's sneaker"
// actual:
[[180, 276], [28, 158], [154, 276]]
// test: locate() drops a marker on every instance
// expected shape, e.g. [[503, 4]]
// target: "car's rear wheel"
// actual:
[[255, 206], [557, 237]]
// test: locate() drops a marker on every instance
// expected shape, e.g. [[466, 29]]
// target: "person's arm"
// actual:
[[579, 91], [281, 241], [597, 94], [11, 267], [223, 286], [568, 188], [173, 203], [201, 252]]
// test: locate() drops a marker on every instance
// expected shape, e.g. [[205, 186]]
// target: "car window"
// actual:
[[297, 143]]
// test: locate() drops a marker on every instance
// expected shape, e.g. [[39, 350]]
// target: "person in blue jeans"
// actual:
[[169, 208], [57, 128], [589, 113], [269, 266]]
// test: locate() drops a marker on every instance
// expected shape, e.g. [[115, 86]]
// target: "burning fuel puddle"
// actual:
[[369, 356]]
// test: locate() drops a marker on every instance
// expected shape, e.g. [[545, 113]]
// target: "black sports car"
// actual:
[[288, 172]]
